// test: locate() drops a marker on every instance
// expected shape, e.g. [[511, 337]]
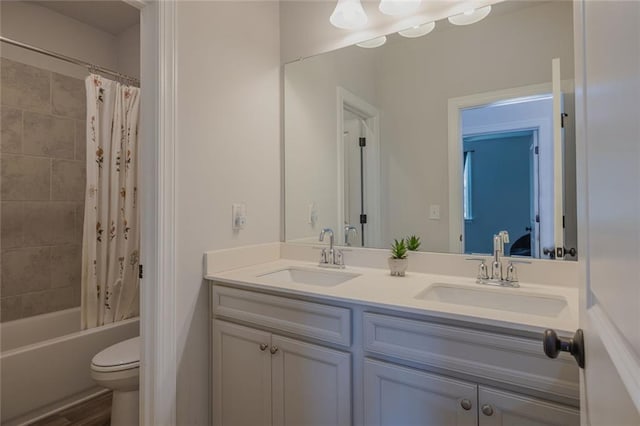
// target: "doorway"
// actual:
[[500, 172], [523, 109], [358, 171]]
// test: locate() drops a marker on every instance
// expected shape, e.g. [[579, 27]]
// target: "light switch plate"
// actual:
[[434, 211], [313, 214], [238, 216]]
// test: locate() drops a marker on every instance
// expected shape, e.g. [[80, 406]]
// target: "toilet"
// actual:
[[117, 368]]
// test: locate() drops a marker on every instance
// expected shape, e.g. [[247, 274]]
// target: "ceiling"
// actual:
[[111, 16]]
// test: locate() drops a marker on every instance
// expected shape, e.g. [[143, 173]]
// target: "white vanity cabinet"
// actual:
[[477, 354], [396, 395], [500, 408], [242, 375], [280, 360], [262, 378]]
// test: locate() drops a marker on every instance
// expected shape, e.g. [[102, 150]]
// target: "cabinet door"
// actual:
[[241, 376], [500, 408], [311, 384], [400, 396]]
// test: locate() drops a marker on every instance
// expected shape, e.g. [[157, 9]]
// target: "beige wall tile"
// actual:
[[49, 136], [25, 178], [79, 222], [47, 301], [25, 270], [66, 262], [68, 96], [11, 229], [10, 308], [77, 297], [11, 130], [49, 223], [81, 140], [68, 180], [24, 86]]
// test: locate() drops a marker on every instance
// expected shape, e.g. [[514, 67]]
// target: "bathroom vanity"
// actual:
[[294, 344]]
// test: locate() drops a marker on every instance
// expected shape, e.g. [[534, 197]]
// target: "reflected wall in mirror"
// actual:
[[453, 137]]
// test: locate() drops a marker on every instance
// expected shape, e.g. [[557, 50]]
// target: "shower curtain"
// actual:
[[111, 237]]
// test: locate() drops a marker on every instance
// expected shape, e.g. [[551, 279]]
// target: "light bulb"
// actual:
[[469, 17], [348, 15], [398, 7], [418, 30], [376, 42]]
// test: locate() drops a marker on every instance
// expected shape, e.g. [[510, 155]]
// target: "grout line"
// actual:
[[22, 131]]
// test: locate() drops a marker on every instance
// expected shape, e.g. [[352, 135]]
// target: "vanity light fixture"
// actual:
[[418, 30], [373, 43], [348, 15], [398, 7], [470, 16]]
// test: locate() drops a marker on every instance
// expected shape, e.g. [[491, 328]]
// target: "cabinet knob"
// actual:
[[263, 346], [487, 410], [466, 404], [273, 349]]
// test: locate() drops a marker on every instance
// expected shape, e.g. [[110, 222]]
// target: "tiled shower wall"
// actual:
[[42, 184]]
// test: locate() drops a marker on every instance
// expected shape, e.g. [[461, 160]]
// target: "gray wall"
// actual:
[[42, 190]]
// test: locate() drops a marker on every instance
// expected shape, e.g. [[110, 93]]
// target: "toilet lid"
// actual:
[[121, 356]]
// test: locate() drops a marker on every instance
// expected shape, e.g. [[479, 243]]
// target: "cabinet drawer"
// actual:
[[507, 359], [313, 320]]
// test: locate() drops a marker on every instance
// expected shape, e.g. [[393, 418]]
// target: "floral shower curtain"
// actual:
[[111, 238]]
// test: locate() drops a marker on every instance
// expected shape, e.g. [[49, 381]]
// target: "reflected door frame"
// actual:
[[455, 108], [371, 114], [536, 126]]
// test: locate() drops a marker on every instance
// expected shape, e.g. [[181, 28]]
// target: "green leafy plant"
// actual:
[[399, 249], [413, 243]]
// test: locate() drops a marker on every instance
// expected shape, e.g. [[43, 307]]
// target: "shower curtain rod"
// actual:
[[89, 66]]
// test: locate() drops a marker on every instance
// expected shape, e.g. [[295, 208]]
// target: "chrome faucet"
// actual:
[[333, 258], [499, 240], [347, 229], [497, 278]]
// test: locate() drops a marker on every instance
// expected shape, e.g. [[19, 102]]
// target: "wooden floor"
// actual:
[[94, 412]]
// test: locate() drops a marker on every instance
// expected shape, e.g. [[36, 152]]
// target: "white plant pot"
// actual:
[[398, 266]]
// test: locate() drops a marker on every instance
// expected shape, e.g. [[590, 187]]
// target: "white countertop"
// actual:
[[375, 287]]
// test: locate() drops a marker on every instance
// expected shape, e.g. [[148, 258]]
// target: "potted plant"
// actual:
[[398, 261], [413, 243]]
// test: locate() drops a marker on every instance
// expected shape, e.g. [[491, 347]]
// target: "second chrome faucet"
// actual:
[[333, 258], [497, 277]]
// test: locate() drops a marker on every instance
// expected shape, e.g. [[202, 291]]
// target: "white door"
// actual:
[[558, 160], [241, 375], [607, 43], [500, 408], [353, 191], [311, 384], [400, 396]]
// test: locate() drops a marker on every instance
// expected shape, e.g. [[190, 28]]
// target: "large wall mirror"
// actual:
[[452, 136]]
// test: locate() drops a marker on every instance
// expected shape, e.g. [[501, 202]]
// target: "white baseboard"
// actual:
[[56, 407]]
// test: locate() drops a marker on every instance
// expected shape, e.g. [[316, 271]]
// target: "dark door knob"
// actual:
[[553, 345]]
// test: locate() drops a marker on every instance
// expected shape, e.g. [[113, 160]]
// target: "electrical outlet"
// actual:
[[238, 216], [434, 211]]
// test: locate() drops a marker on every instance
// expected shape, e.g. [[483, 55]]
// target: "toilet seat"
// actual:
[[119, 357]]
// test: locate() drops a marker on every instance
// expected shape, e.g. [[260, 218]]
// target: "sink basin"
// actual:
[[308, 276], [501, 299]]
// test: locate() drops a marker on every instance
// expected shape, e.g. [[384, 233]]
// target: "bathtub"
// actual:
[[44, 363]]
